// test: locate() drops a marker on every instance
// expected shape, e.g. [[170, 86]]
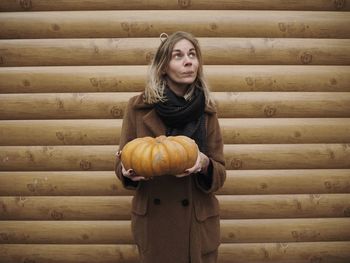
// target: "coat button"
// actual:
[[156, 201], [185, 202]]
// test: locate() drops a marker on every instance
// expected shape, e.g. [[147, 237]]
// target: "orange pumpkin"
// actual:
[[158, 156]]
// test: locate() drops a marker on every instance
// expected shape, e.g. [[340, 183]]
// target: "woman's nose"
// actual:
[[187, 60]]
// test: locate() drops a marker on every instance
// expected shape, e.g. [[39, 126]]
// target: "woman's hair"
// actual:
[[154, 91]]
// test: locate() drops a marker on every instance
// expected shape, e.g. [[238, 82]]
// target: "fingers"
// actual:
[[139, 178], [132, 175], [181, 175], [200, 165]]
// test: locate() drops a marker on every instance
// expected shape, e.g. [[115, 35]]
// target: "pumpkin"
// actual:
[[158, 156]]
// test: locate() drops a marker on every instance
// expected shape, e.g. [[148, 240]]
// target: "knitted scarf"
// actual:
[[184, 117]]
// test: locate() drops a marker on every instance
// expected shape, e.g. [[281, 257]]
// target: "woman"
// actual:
[[175, 218]]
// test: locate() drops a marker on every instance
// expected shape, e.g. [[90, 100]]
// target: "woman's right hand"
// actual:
[[129, 173]]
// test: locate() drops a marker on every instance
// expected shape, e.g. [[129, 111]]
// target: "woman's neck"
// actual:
[[179, 89]]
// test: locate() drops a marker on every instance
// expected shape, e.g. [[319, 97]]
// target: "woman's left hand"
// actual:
[[201, 165]]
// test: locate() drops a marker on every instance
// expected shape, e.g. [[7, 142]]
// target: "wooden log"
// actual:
[[58, 158], [53, 253], [119, 232], [119, 207], [282, 104], [284, 206], [284, 130], [139, 51], [238, 182], [64, 105], [234, 131], [132, 78], [287, 156], [65, 208], [229, 105], [316, 181], [296, 252], [61, 132], [42, 5], [284, 230], [67, 232], [82, 79], [202, 23], [240, 156], [92, 183]]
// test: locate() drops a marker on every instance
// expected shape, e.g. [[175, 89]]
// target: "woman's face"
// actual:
[[183, 66]]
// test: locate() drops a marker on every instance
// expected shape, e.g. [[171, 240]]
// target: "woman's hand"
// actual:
[[201, 165], [129, 173]]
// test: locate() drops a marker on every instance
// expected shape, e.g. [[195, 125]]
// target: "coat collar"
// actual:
[[151, 119], [154, 123]]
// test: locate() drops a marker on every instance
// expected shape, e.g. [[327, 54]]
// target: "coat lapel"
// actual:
[[154, 123]]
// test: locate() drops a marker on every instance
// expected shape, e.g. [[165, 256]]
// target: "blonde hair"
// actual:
[[154, 91]]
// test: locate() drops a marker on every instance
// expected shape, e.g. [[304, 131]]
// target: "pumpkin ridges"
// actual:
[[128, 149], [146, 169], [178, 156], [160, 157], [127, 152], [136, 162], [192, 152]]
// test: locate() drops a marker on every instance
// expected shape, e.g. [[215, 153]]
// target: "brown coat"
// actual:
[[174, 220]]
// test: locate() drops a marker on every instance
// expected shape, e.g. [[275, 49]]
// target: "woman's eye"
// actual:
[[192, 55]]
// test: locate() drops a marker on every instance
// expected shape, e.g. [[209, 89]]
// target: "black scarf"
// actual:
[[184, 117]]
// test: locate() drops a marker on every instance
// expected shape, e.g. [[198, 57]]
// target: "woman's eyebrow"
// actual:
[[179, 50]]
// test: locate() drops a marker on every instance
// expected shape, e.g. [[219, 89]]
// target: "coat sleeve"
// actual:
[[128, 133], [216, 176]]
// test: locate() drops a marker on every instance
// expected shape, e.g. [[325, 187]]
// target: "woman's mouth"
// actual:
[[188, 73]]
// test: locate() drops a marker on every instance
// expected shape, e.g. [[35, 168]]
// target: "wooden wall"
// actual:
[[279, 71]]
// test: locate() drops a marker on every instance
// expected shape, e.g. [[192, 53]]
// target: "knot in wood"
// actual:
[[347, 212], [56, 215], [85, 165], [149, 56], [3, 207], [184, 3], [4, 237], [116, 112], [339, 4], [125, 26], [94, 82], [315, 259], [26, 83], [328, 185], [263, 186], [282, 27], [55, 27], [270, 111], [333, 81], [60, 136], [236, 163], [249, 81], [26, 4], [31, 187], [306, 58], [213, 26], [232, 235]]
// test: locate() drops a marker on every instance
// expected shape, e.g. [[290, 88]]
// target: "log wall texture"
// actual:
[[279, 72]]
